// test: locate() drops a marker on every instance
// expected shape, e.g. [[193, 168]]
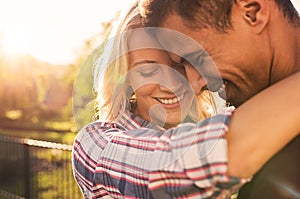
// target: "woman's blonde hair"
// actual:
[[112, 92], [112, 66]]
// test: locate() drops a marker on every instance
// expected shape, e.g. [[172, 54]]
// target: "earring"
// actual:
[[132, 103]]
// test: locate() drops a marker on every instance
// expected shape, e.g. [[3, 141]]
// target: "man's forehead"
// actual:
[[173, 42], [179, 44]]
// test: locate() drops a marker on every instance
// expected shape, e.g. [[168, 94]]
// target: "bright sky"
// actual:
[[52, 30], [296, 4]]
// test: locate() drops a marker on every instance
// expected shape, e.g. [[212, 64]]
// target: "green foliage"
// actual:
[[83, 94], [56, 184]]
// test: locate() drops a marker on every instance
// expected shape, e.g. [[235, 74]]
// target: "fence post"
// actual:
[[27, 183]]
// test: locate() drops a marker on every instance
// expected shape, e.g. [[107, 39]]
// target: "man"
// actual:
[[254, 44]]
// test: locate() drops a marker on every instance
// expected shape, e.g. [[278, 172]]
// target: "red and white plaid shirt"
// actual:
[[137, 159]]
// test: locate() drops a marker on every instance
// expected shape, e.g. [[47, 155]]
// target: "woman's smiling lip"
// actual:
[[170, 102]]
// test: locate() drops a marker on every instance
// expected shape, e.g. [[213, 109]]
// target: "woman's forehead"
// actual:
[[140, 39]]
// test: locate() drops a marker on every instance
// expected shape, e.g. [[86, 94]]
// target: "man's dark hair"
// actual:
[[202, 13], [289, 11]]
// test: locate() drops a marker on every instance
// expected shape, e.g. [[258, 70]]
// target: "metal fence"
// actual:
[[34, 169]]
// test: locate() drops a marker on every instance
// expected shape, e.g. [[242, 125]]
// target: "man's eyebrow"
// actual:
[[144, 62]]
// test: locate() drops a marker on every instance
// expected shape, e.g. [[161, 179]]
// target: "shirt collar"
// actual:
[[130, 121]]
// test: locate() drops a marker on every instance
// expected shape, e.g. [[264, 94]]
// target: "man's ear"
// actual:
[[256, 13]]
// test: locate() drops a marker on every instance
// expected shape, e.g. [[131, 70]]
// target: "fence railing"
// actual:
[[35, 169]]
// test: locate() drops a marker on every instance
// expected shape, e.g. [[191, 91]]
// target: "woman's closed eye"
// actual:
[[148, 73], [148, 70]]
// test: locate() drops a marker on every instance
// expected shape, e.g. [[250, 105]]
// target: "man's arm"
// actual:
[[263, 125]]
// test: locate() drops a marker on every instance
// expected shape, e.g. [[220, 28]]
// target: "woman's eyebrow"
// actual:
[[137, 63]]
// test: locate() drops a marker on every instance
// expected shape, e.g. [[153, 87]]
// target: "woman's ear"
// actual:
[[256, 13]]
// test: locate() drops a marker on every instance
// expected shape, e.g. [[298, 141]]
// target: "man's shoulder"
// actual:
[[279, 178]]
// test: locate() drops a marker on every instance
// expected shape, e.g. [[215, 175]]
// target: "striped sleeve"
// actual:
[[87, 147]]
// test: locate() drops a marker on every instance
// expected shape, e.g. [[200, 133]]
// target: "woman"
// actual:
[[137, 153]]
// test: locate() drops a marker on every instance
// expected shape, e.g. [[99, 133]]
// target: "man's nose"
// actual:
[[195, 79], [171, 80]]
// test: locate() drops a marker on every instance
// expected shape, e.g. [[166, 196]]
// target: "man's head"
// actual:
[[204, 13], [250, 41]]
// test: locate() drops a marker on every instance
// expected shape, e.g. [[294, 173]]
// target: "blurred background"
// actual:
[[43, 46]]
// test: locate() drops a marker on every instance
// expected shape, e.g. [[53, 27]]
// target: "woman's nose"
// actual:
[[195, 79]]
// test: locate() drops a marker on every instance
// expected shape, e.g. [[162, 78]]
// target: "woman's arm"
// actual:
[[106, 157], [262, 126]]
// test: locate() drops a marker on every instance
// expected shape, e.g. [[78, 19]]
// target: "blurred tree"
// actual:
[[34, 93], [83, 94], [19, 89]]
